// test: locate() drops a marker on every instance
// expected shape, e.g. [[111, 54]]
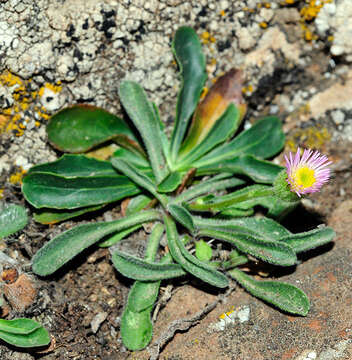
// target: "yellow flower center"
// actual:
[[304, 178]]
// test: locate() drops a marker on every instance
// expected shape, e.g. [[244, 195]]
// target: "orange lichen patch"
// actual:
[[318, 269], [247, 90], [227, 313], [312, 9], [10, 80], [288, 355], [291, 318], [23, 97], [16, 178], [345, 333], [55, 88], [315, 325], [205, 36], [331, 277], [313, 137], [308, 13], [222, 13], [307, 33]]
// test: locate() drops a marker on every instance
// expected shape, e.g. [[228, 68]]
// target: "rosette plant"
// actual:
[[204, 182]]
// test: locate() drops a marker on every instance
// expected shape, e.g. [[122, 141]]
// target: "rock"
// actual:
[[336, 19], [97, 321], [337, 96], [245, 40], [338, 117], [21, 294]]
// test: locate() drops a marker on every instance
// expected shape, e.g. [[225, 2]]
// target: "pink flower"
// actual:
[[307, 174]]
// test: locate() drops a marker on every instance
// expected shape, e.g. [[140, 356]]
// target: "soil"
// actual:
[[81, 305]]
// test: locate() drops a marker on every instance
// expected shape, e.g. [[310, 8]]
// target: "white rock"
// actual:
[[337, 19], [338, 117], [21, 161], [52, 100], [97, 321], [244, 313], [245, 39]]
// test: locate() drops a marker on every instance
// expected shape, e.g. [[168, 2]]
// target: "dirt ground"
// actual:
[[81, 305]]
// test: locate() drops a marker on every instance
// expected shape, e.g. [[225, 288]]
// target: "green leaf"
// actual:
[[170, 183], [165, 143], [190, 263], [277, 208], [143, 295], [136, 329], [264, 139], [207, 186], [226, 91], [182, 215], [39, 337], [204, 251], [71, 165], [260, 171], [310, 239], [233, 212], [119, 236], [82, 127], [19, 326], [142, 270], [267, 250], [139, 178], [137, 204], [285, 296], [53, 216], [222, 129], [188, 53], [44, 190], [142, 113], [12, 219], [266, 228], [67, 245], [131, 157], [141, 300], [219, 203]]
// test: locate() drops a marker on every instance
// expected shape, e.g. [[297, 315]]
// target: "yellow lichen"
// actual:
[[205, 36], [263, 25], [16, 178], [313, 137], [227, 313], [222, 13], [24, 98], [247, 90], [311, 10]]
